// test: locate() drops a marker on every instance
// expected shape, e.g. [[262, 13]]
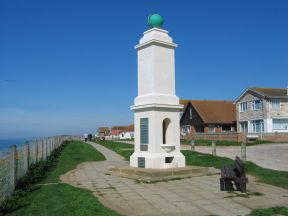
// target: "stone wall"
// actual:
[[215, 136], [273, 137]]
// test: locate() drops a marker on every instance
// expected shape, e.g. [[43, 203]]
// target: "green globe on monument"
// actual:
[[155, 21]]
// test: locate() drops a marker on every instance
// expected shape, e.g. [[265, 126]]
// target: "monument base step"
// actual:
[[149, 175]]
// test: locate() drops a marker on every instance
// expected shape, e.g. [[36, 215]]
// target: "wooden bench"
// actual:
[[236, 175]]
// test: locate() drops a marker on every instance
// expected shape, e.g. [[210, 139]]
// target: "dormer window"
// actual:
[[275, 103]]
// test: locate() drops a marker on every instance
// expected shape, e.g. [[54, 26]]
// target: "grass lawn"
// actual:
[[62, 199], [268, 176], [75, 153], [123, 149], [270, 211]]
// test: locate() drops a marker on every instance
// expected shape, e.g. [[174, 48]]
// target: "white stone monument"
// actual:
[[156, 108]]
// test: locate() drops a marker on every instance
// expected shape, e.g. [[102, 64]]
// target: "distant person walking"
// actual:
[[85, 137], [89, 137]]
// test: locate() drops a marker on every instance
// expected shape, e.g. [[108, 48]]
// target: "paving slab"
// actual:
[[194, 196]]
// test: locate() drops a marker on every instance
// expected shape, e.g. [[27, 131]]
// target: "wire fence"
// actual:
[[14, 163]]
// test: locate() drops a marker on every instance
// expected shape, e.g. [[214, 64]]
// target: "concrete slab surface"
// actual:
[[194, 196]]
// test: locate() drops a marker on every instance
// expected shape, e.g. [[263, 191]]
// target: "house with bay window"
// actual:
[[262, 110]]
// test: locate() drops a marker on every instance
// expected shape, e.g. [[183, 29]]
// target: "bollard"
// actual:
[[243, 151], [192, 143], [213, 147]]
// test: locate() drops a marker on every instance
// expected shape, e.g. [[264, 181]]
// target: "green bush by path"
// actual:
[[75, 153], [62, 199]]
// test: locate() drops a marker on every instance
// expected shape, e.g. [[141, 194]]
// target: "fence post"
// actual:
[[51, 146], [42, 148], [13, 168], [36, 150], [26, 157], [45, 148], [47, 144], [192, 143], [243, 151], [213, 147]]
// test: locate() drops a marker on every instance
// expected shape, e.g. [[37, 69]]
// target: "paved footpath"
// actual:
[[195, 196]]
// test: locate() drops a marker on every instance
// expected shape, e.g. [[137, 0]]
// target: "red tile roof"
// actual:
[[115, 132], [271, 92], [103, 129], [215, 111], [129, 128]]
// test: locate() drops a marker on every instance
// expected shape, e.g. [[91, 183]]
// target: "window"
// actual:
[[186, 129], [144, 136], [256, 104], [244, 127], [226, 128], [211, 128], [257, 126], [275, 103], [190, 113], [280, 124], [243, 107]]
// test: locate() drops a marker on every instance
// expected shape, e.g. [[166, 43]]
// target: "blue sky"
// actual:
[[70, 66]]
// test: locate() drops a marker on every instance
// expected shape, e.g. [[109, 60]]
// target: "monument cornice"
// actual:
[[154, 106], [155, 42]]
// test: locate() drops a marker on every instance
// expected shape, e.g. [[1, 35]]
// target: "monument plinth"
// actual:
[[156, 108]]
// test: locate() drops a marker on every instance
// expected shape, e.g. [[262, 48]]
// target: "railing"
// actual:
[[14, 162]]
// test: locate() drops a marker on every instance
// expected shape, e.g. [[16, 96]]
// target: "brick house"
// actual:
[[207, 116], [262, 110]]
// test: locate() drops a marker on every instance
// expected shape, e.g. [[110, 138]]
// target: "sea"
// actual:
[[6, 143]]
